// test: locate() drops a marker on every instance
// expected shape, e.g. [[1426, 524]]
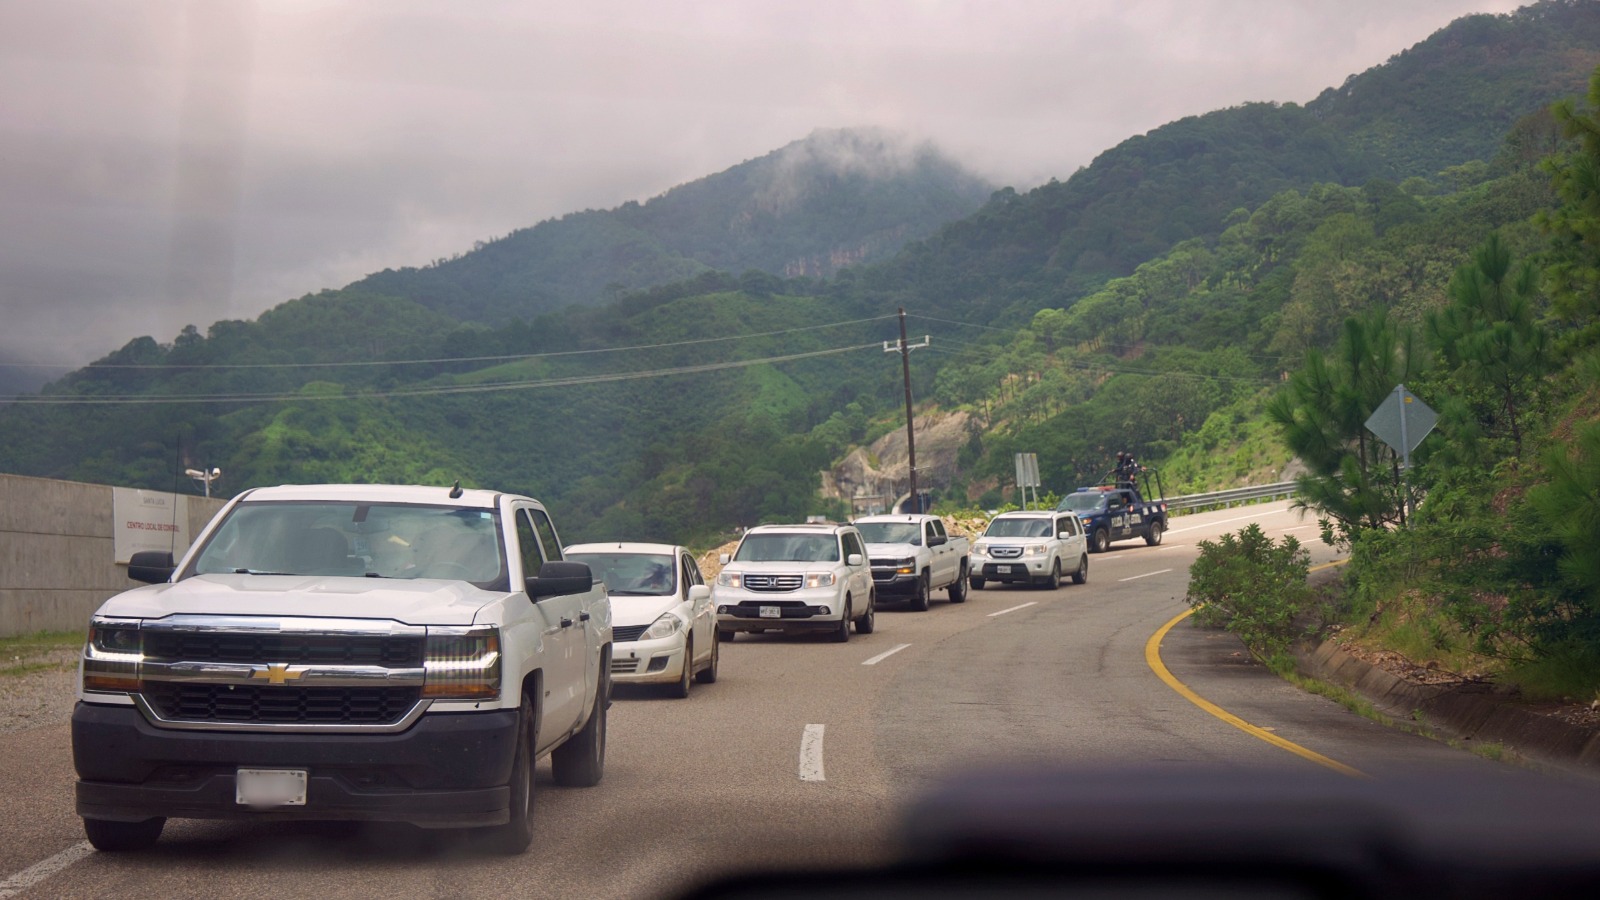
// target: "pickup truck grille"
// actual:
[[281, 705], [773, 582], [623, 633], [1005, 552], [395, 651]]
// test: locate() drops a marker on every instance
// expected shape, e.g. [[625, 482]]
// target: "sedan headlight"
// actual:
[[666, 626], [820, 579], [730, 579], [461, 664]]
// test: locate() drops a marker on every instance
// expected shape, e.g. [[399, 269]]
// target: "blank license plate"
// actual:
[[771, 612], [270, 787]]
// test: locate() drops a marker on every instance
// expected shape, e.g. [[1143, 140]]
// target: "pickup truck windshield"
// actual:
[[1083, 502], [1025, 528], [366, 539], [788, 548], [891, 532], [631, 574]]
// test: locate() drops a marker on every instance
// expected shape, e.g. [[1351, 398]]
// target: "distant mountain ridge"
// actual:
[[837, 198]]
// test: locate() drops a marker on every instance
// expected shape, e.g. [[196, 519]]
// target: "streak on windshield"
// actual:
[[1018, 528], [632, 574], [891, 532], [788, 548], [1083, 502]]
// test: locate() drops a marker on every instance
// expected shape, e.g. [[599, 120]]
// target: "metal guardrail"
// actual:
[[1230, 497]]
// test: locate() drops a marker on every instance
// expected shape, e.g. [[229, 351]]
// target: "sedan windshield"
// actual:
[[891, 532], [1025, 528], [631, 574], [365, 539], [788, 548]]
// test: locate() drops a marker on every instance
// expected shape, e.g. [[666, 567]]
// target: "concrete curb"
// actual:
[[1470, 711]]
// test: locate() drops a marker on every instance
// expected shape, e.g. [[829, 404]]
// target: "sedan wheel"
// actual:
[[681, 689], [708, 675]]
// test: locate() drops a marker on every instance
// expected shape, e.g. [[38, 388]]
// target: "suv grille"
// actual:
[[773, 582], [281, 705], [1005, 552]]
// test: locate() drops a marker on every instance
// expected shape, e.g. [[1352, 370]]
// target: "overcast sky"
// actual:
[[167, 162]]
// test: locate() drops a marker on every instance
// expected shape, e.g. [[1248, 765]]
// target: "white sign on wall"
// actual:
[[148, 520]]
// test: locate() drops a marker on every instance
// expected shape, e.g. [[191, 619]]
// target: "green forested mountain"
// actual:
[[1150, 303], [837, 198]]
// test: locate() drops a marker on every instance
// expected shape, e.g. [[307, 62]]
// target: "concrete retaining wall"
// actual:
[[57, 563]]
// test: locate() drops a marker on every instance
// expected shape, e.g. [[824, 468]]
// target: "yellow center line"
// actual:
[[1152, 656]]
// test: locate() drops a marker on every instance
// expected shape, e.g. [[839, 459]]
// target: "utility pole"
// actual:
[[905, 369]]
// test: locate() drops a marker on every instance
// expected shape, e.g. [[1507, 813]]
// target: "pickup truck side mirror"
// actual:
[[937, 540], [854, 559], [151, 566], [558, 578]]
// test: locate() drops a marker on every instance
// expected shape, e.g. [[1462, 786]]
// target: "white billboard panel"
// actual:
[[148, 520]]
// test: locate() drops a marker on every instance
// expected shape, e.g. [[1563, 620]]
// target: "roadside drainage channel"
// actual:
[[1470, 711]]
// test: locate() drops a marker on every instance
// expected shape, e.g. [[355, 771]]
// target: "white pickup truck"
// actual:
[[913, 556], [345, 652]]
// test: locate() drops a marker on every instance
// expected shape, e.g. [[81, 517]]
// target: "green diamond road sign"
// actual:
[[1402, 421]]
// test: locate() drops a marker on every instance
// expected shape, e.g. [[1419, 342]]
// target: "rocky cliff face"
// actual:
[[871, 478]]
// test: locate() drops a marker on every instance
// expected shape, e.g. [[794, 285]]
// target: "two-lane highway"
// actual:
[[801, 754]]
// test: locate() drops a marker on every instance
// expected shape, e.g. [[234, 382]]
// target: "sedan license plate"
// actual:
[[771, 612], [270, 787]]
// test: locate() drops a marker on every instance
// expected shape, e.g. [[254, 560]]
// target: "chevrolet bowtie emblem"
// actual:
[[277, 673]]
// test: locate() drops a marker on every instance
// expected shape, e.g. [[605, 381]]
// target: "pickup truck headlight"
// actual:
[[730, 579], [461, 664], [666, 626], [820, 579], [112, 658], [905, 566], [1036, 550]]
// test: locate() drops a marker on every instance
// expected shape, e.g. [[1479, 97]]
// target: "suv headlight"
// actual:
[[981, 547], [112, 658], [1036, 550], [820, 579], [666, 626], [461, 664], [730, 579]]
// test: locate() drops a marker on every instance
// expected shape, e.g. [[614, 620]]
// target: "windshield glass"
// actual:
[[788, 548], [1026, 528], [632, 574], [367, 539], [891, 532], [1083, 502]]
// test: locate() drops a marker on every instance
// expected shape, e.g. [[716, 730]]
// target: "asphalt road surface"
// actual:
[[799, 756]]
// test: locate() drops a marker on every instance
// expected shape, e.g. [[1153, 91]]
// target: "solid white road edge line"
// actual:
[[1013, 609], [1225, 521], [811, 754], [884, 655], [1145, 575], [39, 871]]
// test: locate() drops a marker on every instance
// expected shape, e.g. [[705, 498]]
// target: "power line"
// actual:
[[431, 391], [441, 360]]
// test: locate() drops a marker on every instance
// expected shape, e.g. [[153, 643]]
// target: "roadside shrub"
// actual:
[[1253, 587]]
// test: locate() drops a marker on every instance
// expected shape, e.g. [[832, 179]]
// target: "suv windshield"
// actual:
[[370, 539], [788, 548], [631, 574], [1083, 501], [891, 532], [1027, 528]]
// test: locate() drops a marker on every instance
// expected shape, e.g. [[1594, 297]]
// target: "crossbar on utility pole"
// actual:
[[904, 350]]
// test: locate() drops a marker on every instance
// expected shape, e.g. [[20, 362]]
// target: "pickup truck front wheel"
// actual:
[[1099, 540], [582, 759], [1152, 535], [921, 599], [516, 834], [113, 837]]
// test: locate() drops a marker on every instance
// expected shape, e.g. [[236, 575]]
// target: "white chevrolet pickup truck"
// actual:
[[347, 652], [913, 556]]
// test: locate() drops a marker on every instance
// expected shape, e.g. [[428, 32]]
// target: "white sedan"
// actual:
[[663, 628]]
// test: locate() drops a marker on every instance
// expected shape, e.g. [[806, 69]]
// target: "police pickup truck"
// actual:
[[913, 556], [345, 652], [1128, 507]]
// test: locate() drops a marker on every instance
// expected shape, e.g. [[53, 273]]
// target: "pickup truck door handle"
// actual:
[[583, 617], [566, 623]]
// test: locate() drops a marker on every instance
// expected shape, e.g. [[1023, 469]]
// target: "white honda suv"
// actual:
[[796, 578]]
